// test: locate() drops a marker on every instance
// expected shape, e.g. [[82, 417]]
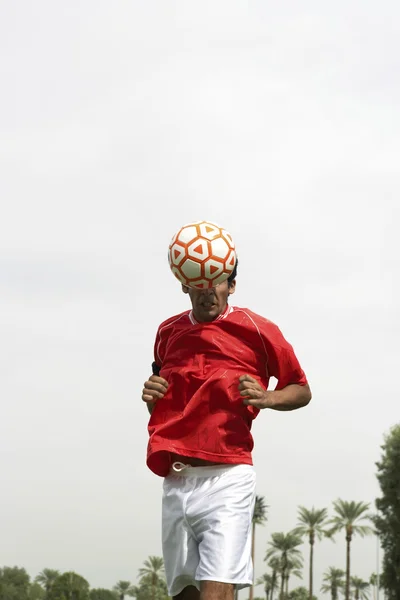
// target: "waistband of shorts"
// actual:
[[205, 471]]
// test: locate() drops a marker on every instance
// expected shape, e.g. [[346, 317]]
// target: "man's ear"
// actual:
[[232, 287], [185, 289]]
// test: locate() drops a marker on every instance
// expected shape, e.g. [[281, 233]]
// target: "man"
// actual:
[[211, 371]]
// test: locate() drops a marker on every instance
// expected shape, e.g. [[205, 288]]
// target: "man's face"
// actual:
[[209, 304]]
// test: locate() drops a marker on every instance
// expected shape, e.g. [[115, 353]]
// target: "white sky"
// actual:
[[121, 121]]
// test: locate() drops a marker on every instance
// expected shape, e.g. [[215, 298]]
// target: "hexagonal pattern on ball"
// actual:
[[187, 234], [179, 275], [213, 268], [209, 230], [228, 238], [199, 249], [231, 261], [220, 248], [191, 269], [173, 239], [177, 253], [202, 284]]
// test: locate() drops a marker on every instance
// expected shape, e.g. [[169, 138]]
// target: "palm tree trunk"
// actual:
[[273, 582], [282, 583], [253, 546], [348, 542], [311, 565], [287, 586]]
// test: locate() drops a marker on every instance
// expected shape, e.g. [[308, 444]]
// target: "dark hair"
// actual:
[[233, 275]]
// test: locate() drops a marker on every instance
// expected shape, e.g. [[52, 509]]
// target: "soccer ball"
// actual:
[[202, 255]]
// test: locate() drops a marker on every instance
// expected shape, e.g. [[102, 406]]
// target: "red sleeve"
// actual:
[[157, 364], [160, 343], [282, 362]]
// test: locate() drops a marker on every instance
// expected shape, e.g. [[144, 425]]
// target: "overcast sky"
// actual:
[[122, 121]]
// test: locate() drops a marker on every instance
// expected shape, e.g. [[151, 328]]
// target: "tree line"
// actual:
[[283, 557], [285, 560], [351, 518], [50, 584]]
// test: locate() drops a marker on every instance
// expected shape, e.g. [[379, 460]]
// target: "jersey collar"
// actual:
[[223, 315]]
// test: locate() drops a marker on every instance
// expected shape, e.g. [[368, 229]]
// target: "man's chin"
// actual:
[[208, 313]]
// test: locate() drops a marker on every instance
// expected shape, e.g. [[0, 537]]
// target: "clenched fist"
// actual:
[[253, 393], [154, 389]]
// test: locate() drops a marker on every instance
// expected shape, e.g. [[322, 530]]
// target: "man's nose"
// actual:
[[209, 291]]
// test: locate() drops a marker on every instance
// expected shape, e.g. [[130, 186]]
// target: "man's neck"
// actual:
[[199, 319]]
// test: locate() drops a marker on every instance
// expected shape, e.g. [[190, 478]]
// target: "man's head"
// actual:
[[210, 303]]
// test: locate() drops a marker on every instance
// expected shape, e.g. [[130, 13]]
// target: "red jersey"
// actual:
[[202, 414]]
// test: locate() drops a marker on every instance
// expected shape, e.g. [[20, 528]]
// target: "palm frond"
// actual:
[[260, 510], [363, 530]]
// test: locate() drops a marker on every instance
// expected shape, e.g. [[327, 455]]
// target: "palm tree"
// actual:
[[123, 588], [269, 584], [373, 580], [153, 570], [293, 568], [35, 592], [69, 585], [145, 590], [311, 524], [347, 518], [360, 588], [333, 582], [276, 567], [259, 518], [284, 546], [46, 578]]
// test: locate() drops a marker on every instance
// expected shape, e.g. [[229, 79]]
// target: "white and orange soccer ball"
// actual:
[[202, 254]]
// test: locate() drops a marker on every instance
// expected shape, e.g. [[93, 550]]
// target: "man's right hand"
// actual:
[[154, 389]]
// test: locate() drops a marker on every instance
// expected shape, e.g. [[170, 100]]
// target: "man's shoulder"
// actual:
[[265, 327], [182, 317], [238, 312]]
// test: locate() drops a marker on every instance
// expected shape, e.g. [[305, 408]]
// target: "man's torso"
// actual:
[[202, 415]]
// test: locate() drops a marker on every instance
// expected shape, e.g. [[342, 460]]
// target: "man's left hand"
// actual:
[[253, 393]]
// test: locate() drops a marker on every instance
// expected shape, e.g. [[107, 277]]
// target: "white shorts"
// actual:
[[206, 526]]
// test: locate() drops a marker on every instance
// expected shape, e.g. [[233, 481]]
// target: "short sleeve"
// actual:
[[282, 362], [157, 363]]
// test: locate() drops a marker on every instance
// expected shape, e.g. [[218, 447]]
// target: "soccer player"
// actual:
[[211, 370]]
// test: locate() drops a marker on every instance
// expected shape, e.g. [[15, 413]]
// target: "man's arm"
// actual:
[[291, 397]]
